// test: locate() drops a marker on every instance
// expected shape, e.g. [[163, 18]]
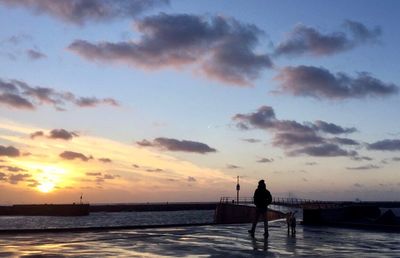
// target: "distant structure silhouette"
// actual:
[[262, 198]]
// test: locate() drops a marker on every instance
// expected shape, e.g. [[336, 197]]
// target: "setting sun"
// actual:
[[46, 187]]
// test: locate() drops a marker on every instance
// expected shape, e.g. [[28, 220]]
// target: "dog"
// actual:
[[291, 222]]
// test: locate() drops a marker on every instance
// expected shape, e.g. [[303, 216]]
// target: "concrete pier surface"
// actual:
[[231, 240]]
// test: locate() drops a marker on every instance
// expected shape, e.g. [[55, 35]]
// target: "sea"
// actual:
[[108, 219]]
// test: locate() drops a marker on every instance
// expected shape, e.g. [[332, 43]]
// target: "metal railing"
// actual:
[[291, 202]]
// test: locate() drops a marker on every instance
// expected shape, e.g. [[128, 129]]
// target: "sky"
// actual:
[[169, 101]]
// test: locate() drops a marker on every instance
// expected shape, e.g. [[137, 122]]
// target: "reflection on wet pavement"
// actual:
[[217, 240]]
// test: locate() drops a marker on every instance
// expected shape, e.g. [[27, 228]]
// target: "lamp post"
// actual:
[[237, 190]]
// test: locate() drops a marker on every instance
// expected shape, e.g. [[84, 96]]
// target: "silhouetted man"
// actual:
[[262, 198]]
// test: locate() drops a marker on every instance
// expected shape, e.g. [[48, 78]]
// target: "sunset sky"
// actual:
[[157, 100]]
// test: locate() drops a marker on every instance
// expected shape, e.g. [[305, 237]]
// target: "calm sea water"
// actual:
[[107, 219]]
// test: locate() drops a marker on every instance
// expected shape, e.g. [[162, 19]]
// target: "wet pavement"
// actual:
[[205, 241]]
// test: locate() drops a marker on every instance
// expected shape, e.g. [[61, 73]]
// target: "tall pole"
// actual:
[[237, 190]]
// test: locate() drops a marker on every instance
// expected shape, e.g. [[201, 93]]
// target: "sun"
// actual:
[[46, 187]]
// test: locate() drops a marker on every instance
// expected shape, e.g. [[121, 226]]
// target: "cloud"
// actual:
[[9, 151], [62, 134], [366, 167], [263, 118], [385, 145], [323, 150], [358, 185], [309, 138], [93, 173], [20, 95], [16, 178], [71, 155], [110, 177], [220, 48], [396, 159], [155, 170], [320, 83], [311, 163], [265, 160], [332, 128], [361, 158], [3, 177], [92, 102], [105, 160], [81, 11], [307, 40], [344, 141], [230, 166], [12, 169], [55, 134], [251, 140], [177, 145], [191, 179], [34, 54]]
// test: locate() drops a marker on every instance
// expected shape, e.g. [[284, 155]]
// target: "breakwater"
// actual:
[[45, 210], [151, 207]]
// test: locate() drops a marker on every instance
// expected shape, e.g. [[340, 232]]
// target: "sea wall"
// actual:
[[227, 213]]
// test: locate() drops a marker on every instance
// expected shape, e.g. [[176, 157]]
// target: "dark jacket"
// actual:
[[262, 198]]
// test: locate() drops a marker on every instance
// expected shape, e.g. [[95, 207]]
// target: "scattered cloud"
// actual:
[[155, 170], [396, 159], [358, 185], [230, 166], [20, 95], [311, 163], [93, 173], [344, 141], [332, 128], [177, 145], [105, 160], [12, 169], [9, 151], [92, 102], [110, 177], [191, 179], [307, 40], [16, 178], [307, 138], [323, 150], [385, 145], [35, 54], [79, 12], [361, 158], [221, 48], [16, 39], [366, 167], [265, 160], [55, 134], [251, 140], [320, 83], [71, 155]]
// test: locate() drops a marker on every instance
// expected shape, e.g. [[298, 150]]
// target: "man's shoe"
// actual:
[[251, 232]]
